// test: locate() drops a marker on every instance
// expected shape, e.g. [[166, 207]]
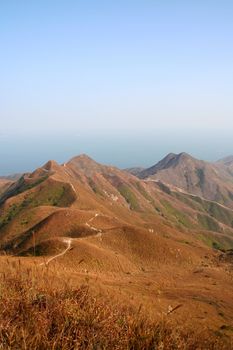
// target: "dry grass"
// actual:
[[39, 310]]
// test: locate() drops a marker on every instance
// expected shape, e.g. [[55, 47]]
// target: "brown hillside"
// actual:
[[135, 241], [194, 176]]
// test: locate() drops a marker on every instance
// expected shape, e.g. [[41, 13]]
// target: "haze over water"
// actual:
[[124, 82]]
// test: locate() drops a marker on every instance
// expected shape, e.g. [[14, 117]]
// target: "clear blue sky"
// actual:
[[79, 76]]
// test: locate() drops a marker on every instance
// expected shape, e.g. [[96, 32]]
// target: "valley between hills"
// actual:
[[157, 241]]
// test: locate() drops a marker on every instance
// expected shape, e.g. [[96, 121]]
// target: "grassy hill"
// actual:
[[132, 241]]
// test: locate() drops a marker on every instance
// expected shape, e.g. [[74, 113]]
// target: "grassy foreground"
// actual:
[[38, 311]]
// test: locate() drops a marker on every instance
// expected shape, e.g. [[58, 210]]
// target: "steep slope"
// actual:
[[32, 198], [80, 186], [139, 242], [193, 176], [58, 200], [7, 181], [226, 164], [110, 185], [4, 184]]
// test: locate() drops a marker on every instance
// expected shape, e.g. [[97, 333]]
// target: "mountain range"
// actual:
[[180, 190], [212, 181], [163, 234]]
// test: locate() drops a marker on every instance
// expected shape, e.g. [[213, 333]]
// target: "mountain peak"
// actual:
[[169, 161], [83, 156], [184, 155], [51, 165], [84, 164], [82, 159], [176, 157]]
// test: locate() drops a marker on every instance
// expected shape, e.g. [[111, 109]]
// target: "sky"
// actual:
[[124, 81]]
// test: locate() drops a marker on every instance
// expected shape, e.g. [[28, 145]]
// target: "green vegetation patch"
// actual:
[[213, 209], [148, 197], [201, 176], [178, 215], [188, 200], [22, 185], [94, 187], [28, 186], [11, 213], [212, 241], [129, 196], [143, 192], [220, 213], [51, 194], [55, 194], [164, 188], [208, 223]]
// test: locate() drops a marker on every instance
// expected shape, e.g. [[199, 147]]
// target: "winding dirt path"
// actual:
[[68, 242], [92, 227]]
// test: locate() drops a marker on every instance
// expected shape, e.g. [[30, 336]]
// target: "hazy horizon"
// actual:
[[124, 82], [126, 151]]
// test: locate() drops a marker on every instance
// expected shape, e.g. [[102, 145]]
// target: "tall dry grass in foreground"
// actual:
[[39, 312]]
